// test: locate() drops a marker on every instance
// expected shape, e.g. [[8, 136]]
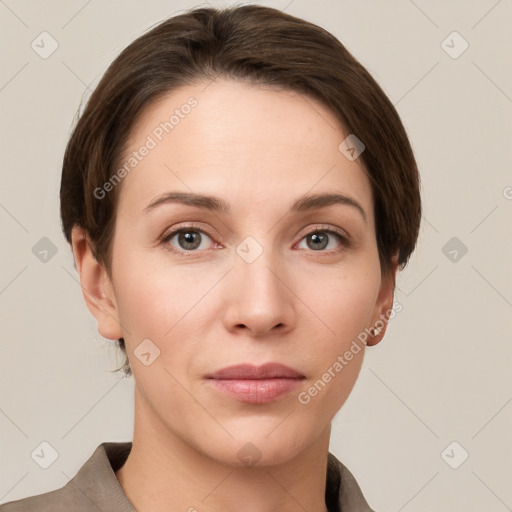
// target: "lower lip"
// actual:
[[256, 391]]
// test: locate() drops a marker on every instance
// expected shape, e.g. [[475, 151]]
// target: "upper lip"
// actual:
[[251, 372]]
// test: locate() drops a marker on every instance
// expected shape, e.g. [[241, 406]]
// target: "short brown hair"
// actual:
[[255, 44]]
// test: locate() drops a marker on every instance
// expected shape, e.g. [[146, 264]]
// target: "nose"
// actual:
[[259, 297]]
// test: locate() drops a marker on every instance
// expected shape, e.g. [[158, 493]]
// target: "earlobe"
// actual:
[[384, 306], [96, 286]]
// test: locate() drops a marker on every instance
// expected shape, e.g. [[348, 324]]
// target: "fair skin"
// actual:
[[298, 303]]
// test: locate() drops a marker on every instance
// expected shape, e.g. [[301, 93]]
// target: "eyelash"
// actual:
[[343, 238]]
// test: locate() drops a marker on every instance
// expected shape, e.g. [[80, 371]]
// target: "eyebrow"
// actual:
[[215, 204]]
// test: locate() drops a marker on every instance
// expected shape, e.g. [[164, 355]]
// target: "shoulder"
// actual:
[[93, 488], [345, 493], [59, 500]]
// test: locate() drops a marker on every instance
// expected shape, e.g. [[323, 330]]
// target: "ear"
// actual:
[[384, 304], [96, 286]]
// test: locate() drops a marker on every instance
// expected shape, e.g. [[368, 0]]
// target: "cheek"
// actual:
[[167, 303], [352, 307], [344, 301], [345, 305]]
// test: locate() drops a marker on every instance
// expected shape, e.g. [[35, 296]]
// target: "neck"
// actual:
[[164, 472]]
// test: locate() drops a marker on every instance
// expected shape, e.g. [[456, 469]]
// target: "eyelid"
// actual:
[[184, 226], [345, 240], [326, 227]]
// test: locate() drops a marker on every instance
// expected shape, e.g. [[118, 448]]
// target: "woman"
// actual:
[[238, 194]]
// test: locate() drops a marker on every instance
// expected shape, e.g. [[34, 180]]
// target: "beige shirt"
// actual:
[[95, 487]]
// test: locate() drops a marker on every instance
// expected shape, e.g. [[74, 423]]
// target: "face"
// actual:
[[258, 275]]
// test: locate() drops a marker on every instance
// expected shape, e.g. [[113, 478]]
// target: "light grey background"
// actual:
[[442, 374]]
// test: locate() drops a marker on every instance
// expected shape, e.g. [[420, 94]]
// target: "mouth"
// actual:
[[256, 384]]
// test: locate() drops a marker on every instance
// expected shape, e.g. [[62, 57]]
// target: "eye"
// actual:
[[324, 240], [187, 239]]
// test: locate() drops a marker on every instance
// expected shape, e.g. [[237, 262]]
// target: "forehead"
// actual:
[[250, 144]]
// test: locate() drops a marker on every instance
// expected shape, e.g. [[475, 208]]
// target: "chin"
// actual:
[[260, 447]]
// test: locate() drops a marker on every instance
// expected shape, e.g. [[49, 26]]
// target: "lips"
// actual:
[[251, 372], [256, 384]]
